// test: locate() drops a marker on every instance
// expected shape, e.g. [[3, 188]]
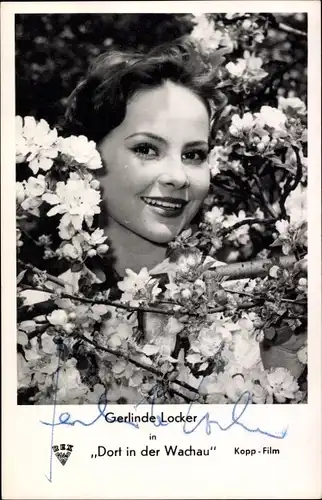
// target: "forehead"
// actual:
[[166, 109]]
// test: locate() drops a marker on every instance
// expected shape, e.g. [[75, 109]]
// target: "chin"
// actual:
[[163, 236]]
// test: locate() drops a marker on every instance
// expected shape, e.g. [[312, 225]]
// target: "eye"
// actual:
[[145, 150], [195, 156]]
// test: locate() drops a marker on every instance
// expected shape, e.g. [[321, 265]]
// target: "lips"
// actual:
[[165, 205]]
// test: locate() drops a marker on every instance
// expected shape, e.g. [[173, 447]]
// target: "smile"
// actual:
[[166, 205]]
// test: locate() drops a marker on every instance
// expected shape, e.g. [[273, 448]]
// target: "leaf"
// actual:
[[76, 267], [22, 338], [277, 243], [269, 333], [283, 334], [20, 276]]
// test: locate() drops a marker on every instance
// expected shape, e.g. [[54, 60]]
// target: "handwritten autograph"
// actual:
[[238, 411]]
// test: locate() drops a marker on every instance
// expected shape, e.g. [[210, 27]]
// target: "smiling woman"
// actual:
[[120, 233], [151, 117], [157, 180]]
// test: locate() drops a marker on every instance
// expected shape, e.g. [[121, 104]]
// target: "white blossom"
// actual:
[[36, 143], [35, 186], [214, 216], [208, 36], [281, 384], [58, 317], [241, 125], [81, 150], [248, 69], [271, 117], [296, 204], [292, 105], [76, 200], [138, 286]]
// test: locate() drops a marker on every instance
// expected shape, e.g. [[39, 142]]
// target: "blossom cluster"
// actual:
[[76, 199], [39, 146], [246, 71], [263, 132]]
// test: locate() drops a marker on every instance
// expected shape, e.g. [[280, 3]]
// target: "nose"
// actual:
[[174, 174]]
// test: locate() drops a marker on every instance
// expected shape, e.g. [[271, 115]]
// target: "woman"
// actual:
[[151, 117]]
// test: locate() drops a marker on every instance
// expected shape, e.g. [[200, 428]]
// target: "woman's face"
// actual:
[[156, 162]]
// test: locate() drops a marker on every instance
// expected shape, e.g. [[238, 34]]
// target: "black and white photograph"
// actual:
[[161, 208]]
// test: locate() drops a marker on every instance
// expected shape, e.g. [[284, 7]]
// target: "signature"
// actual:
[[238, 410]]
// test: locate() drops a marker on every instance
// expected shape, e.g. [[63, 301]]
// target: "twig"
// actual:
[[263, 196], [253, 268], [151, 369], [299, 170], [50, 277], [249, 221], [251, 295], [290, 29], [38, 309], [246, 294]]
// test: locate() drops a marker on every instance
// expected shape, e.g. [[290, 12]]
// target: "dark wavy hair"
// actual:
[[98, 104]]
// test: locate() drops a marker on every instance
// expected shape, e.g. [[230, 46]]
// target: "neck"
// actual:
[[131, 250]]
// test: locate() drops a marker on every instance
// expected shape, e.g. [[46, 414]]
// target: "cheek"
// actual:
[[124, 172], [199, 183]]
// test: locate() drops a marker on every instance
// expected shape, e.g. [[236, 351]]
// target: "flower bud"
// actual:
[[91, 253], [71, 251], [186, 294], [260, 147], [95, 184], [69, 327], [258, 323], [101, 249], [260, 336], [274, 272], [58, 317], [265, 139], [247, 24], [72, 316]]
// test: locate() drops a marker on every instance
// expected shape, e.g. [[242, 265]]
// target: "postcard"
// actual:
[[161, 277]]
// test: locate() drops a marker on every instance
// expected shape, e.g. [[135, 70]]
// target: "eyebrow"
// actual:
[[160, 139]]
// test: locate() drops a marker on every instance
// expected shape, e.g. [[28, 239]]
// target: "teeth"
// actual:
[[164, 204]]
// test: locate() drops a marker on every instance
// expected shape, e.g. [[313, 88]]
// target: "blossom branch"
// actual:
[[235, 270], [255, 268], [154, 310], [50, 277], [249, 221], [139, 364]]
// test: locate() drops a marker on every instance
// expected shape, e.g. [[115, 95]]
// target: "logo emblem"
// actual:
[[63, 452]]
